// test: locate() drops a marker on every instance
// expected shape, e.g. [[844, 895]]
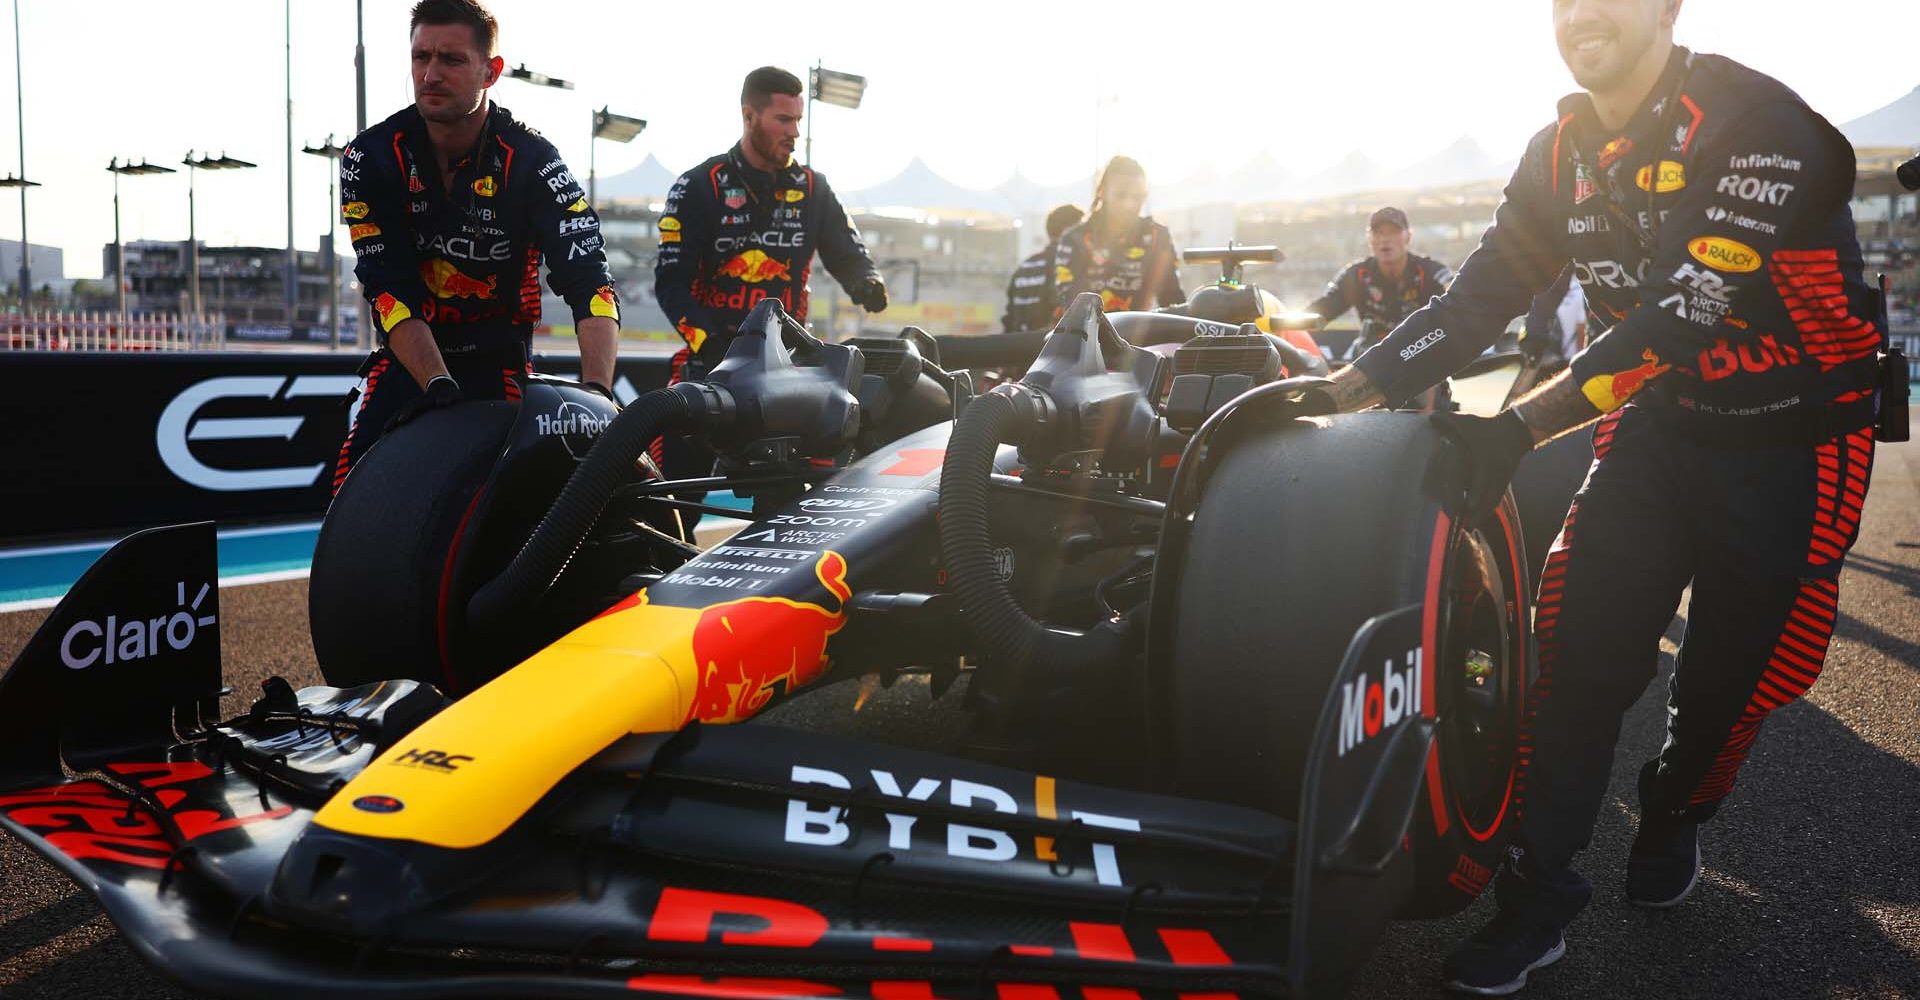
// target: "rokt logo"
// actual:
[[1366, 707], [89, 641]]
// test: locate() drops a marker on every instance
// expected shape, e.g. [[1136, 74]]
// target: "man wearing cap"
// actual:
[[1385, 287]]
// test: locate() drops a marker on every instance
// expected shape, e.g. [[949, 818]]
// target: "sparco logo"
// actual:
[[575, 425], [837, 504], [180, 424], [90, 641], [1408, 352], [1367, 707]]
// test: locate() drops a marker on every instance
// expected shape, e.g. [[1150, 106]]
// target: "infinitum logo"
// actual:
[[90, 641], [1367, 707]]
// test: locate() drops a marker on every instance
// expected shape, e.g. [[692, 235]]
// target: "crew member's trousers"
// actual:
[[1759, 534], [483, 374]]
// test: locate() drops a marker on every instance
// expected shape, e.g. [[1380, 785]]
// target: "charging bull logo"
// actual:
[[448, 282], [1110, 302], [755, 266], [1610, 392], [604, 303], [744, 648], [391, 311]]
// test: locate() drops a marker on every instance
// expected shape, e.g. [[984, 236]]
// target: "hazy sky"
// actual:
[[978, 89]]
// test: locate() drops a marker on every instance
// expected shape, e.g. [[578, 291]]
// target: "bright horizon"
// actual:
[[976, 98]]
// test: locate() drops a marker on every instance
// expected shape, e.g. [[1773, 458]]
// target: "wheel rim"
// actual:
[[1478, 688]]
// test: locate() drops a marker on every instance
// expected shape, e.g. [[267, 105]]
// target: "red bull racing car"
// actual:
[[1245, 685]]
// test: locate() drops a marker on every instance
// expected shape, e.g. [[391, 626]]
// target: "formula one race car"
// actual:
[[1245, 685]]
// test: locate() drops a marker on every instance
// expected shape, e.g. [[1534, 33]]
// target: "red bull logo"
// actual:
[[391, 311], [1111, 302], [747, 649], [755, 266], [1613, 151], [695, 337], [448, 282], [1610, 392], [604, 303]]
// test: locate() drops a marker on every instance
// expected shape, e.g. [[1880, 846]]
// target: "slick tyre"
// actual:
[[1304, 530], [379, 601]]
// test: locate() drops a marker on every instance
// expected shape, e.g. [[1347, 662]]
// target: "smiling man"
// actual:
[[1704, 209], [452, 205]]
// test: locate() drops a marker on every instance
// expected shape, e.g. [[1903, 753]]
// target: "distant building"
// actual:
[[244, 284], [48, 264]]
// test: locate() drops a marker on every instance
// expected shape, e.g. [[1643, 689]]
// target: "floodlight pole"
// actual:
[[593, 161], [119, 254], [20, 121], [813, 87], [290, 275]]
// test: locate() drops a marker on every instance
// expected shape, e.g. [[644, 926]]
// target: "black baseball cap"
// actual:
[[1388, 216]]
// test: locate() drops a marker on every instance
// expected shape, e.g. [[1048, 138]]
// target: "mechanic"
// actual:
[[1385, 287], [451, 205], [744, 225], [1030, 295], [1704, 209], [1127, 257]]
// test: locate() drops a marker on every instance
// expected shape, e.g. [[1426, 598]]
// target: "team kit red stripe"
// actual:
[[346, 447], [1791, 670]]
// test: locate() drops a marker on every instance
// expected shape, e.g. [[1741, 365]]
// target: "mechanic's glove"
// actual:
[[596, 387], [870, 294], [1495, 445], [441, 391], [1312, 395]]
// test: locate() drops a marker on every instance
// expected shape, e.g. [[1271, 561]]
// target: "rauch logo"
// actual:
[[1367, 707]]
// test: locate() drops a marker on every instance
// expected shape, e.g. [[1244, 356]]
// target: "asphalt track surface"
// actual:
[[1812, 881]]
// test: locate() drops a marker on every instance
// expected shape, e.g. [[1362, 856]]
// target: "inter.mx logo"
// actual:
[[1368, 706], [181, 425]]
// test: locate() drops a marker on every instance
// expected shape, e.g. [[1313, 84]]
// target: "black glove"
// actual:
[[1312, 395], [602, 390], [441, 391], [871, 294], [1495, 445]]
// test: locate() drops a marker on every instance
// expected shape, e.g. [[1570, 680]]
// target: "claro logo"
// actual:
[[180, 424], [118, 640]]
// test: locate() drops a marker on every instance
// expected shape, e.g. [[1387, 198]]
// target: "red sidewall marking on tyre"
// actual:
[[1429, 651], [446, 586], [1518, 589]]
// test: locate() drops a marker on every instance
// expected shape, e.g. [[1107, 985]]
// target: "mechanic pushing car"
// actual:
[[1030, 295], [1704, 209], [451, 205], [1385, 287], [1124, 256]]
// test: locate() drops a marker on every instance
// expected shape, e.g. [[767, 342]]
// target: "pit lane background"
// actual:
[[103, 442]]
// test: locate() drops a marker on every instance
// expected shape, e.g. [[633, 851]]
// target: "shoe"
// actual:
[[1664, 864], [1494, 962]]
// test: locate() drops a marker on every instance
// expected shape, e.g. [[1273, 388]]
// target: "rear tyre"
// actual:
[[379, 602], [1304, 530]]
